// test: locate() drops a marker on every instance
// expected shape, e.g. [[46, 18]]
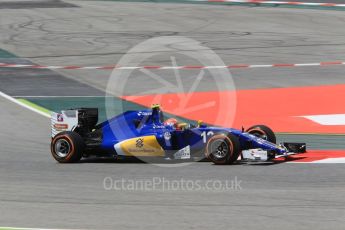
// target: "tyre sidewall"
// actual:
[[264, 130], [76, 147], [233, 151]]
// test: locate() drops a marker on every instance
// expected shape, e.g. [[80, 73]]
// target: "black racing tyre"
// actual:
[[67, 147], [263, 132], [223, 149]]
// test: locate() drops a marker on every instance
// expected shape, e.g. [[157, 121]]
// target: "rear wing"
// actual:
[[67, 120], [85, 119]]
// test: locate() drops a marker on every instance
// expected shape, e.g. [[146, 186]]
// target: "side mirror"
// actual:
[[136, 123]]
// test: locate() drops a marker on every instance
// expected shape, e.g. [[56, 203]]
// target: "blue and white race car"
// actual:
[[140, 134]]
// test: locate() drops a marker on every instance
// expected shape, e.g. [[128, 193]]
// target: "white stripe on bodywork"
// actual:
[[119, 150]]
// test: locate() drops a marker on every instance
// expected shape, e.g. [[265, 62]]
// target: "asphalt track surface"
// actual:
[[37, 192], [288, 35]]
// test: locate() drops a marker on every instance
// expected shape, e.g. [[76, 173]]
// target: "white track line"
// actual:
[[110, 68], [55, 96], [327, 119], [260, 2], [13, 228], [23, 104], [339, 160]]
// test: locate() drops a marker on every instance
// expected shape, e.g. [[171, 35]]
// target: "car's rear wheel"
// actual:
[[264, 132], [67, 147], [223, 149]]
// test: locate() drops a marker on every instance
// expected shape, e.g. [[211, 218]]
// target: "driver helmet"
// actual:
[[171, 122]]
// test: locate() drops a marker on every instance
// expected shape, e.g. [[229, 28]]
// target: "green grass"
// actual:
[[6, 54], [35, 106], [57, 104]]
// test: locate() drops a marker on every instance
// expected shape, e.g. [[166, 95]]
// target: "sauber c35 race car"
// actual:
[[76, 134]]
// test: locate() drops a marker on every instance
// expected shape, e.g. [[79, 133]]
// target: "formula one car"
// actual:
[[75, 134]]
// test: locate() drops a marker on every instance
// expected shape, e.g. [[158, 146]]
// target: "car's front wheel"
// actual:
[[67, 147], [223, 149], [264, 132]]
